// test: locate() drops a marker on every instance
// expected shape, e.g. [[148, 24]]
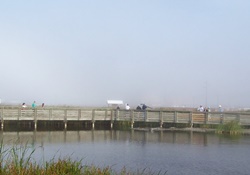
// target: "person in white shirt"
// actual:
[[201, 109], [24, 106], [127, 107]]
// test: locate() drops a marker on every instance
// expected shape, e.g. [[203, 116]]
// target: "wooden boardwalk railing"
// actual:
[[107, 114]]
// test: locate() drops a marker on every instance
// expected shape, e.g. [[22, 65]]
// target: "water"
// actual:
[[171, 152]]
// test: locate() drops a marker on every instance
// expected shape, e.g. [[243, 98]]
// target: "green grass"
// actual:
[[231, 127]]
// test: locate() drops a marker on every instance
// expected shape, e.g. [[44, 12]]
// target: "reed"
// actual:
[[231, 127], [17, 160]]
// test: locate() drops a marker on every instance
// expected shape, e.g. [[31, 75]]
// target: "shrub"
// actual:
[[231, 127]]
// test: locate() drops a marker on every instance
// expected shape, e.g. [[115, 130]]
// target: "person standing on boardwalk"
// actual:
[[34, 105], [144, 107], [220, 108], [23, 106], [138, 108], [200, 109], [127, 107]]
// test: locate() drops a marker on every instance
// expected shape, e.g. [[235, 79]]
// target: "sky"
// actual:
[[163, 53]]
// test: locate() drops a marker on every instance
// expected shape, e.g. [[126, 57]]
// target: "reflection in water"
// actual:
[[142, 137], [98, 136], [174, 152]]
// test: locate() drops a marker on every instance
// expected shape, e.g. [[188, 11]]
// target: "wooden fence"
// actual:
[[107, 114]]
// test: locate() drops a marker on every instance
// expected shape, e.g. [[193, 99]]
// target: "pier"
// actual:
[[65, 115]]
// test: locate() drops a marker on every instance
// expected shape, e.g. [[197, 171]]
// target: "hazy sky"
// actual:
[[162, 53]]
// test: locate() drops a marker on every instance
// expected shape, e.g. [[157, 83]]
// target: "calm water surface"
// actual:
[[171, 152]]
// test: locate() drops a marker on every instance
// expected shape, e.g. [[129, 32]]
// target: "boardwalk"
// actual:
[[110, 115]]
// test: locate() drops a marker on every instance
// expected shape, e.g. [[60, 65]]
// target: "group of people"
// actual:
[[139, 107], [33, 106], [202, 109]]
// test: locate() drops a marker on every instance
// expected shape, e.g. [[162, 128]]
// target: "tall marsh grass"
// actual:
[[231, 127], [18, 160]]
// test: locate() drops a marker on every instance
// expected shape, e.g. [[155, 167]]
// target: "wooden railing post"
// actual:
[[50, 114], [93, 119], [35, 119], [65, 119], [112, 118], [206, 117], [191, 119], [221, 118], [79, 114], [132, 118], [2, 118], [117, 114], [18, 113], [175, 117], [106, 114], [161, 119], [145, 115], [238, 118]]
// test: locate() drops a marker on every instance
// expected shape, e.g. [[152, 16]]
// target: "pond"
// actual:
[[161, 152]]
